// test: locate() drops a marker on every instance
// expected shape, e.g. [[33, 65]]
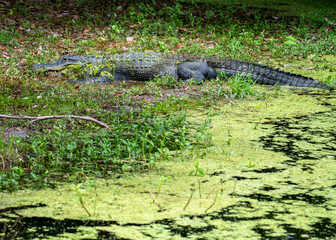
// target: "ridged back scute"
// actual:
[[143, 66]]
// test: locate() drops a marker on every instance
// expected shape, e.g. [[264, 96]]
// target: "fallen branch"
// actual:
[[34, 119]]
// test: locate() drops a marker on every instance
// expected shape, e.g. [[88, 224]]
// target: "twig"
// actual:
[[6, 3], [200, 192], [329, 22], [214, 189], [192, 193], [14, 105], [199, 189], [3, 163], [156, 201], [87, 211], [234, 188], [34, 119], [212, 203]]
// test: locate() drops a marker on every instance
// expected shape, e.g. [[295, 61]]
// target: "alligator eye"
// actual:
[[68, 60]]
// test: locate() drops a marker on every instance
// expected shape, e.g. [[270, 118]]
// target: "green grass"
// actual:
[[139, 134], [308, 8], [148, 121], [61, 152]]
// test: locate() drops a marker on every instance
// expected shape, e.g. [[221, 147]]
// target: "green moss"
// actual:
[[74, 70]]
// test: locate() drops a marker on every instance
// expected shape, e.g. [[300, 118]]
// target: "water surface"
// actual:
[[270, 174]]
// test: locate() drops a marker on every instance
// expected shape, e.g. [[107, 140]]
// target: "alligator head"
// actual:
[[63, 62]]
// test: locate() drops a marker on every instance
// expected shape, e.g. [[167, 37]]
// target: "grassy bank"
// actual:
[[147, 122]]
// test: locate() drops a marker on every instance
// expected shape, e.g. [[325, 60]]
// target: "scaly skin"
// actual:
[[145, 66]]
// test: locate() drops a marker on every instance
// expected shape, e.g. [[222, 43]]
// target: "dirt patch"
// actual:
[[15, 132]]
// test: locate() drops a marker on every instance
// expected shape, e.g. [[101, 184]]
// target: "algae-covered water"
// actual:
[[270, 174]]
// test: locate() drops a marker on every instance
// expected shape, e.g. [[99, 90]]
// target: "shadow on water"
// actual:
[[323, 229], [20, 227], [43, 227], [306, 140]]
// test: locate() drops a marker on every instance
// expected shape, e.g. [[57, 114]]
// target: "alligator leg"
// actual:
[[197, 70]]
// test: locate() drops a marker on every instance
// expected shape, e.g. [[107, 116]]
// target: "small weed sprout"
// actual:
[[79, 194], [290, 41], [198, 171], [163, 179], [250, 165], [331, 81]]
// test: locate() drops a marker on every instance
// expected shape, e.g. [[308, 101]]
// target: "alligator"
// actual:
[[144, 66]]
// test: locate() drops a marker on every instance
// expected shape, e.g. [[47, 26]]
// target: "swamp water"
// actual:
[[270, 174]]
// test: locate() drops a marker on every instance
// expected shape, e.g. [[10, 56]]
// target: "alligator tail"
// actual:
[[263, 74]]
